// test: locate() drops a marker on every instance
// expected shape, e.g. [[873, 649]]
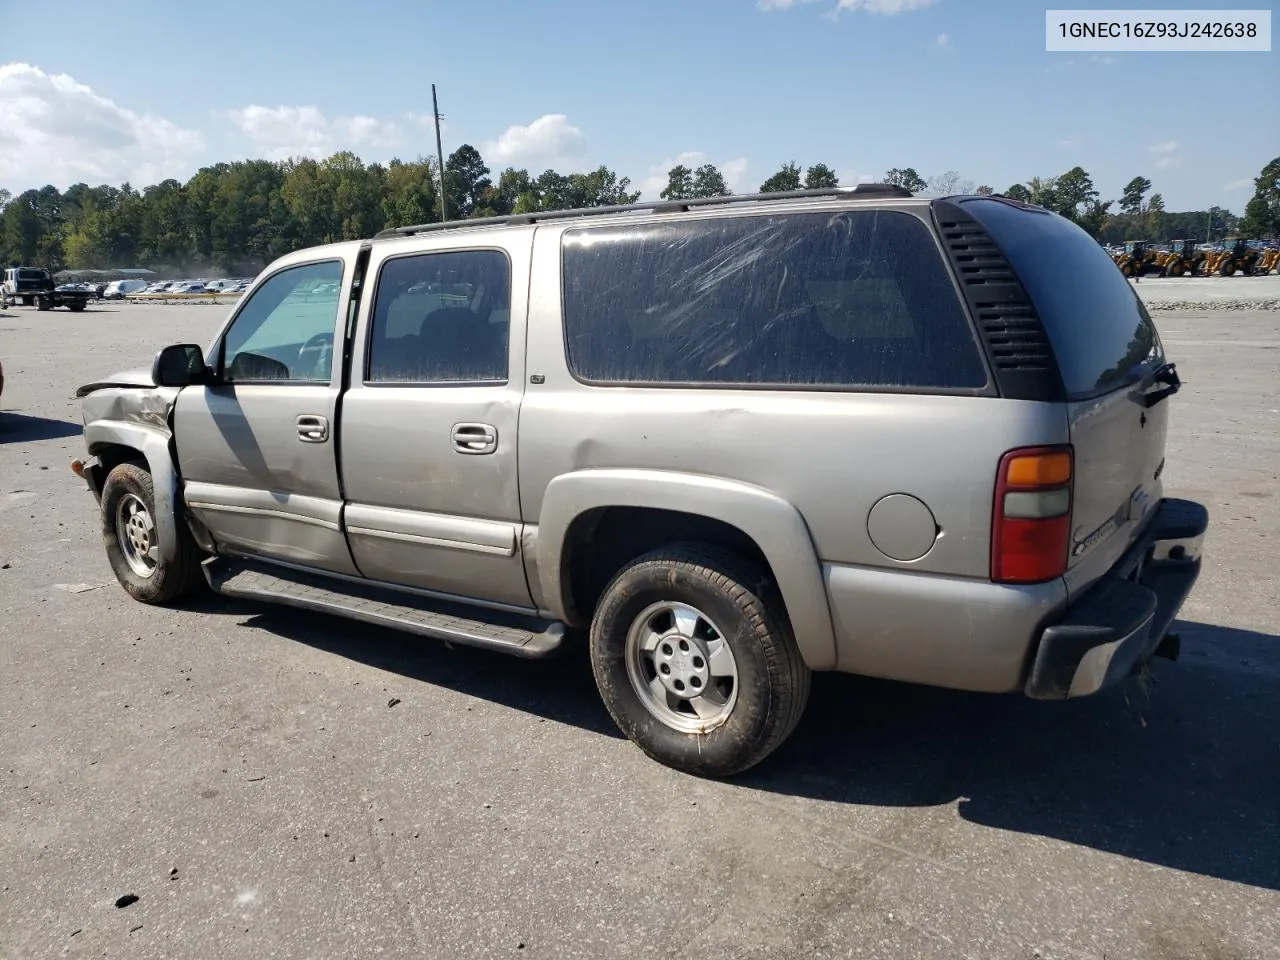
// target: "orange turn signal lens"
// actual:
[[77, 468], [1038, 470]]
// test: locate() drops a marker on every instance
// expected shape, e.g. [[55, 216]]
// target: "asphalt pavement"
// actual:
[[268, 783]]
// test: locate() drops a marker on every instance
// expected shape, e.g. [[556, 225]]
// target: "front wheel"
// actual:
[[133, 544], [695, 660], [27, 301], [76, 306]]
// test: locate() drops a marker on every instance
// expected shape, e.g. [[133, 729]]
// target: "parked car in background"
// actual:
[[119, 289], [188, 286]]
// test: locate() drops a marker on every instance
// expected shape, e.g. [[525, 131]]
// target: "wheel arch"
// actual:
[[114, 443], [750, 520]]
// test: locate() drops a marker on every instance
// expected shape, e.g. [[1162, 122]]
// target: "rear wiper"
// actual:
[[1166, 374]]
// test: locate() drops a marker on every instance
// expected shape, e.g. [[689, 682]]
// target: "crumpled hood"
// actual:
[[128, 378]]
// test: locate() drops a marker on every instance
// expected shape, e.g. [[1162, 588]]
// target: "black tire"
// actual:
[[42, 303], [169, 580], [76, 306], [28, 301], [1227, 268], [772, 682]]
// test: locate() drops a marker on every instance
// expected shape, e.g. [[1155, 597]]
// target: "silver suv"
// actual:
[[730, 441]]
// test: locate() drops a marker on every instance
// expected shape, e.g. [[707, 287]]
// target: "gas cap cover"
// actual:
[[902, 527]]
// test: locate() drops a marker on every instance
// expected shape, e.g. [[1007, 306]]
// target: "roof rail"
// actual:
[[861, 191]]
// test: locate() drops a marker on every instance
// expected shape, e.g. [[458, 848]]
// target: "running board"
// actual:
[[454, 622]]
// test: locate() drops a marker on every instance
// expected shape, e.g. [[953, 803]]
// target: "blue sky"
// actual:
[[154, 89]]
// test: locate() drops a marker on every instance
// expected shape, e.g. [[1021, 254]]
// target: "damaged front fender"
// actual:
[[129, 414]]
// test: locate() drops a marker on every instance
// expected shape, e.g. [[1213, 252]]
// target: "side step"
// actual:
[[458, 623]]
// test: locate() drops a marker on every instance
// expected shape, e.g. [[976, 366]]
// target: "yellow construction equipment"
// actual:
[[1269, 261], [1136, 259], [1183, 259], [1236, 254]]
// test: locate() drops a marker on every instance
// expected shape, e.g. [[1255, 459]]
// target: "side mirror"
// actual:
[[179, 365]]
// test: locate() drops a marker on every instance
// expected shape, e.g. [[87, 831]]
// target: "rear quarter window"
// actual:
[[1101, 334], [842, 299]]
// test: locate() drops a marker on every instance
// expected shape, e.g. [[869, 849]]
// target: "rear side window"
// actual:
[[442, 318], [848, 299], [1102, 336]]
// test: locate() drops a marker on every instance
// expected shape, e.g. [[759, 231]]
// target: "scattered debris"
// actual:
[[351, 859], [4, 566], [78, 587], [127, 900], [77, 930], [135, 929], [173, 873], [393, 701], [256, 779]]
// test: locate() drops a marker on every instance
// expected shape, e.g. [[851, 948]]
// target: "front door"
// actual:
[[429, 422], [256, 447]]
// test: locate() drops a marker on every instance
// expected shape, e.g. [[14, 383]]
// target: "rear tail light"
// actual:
[[1031, 517]]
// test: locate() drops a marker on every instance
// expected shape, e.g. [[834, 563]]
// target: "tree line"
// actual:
[[237, 217]]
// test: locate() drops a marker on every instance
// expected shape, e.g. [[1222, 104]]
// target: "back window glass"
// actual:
[[32, 275], [1102, 336], [846, 299]]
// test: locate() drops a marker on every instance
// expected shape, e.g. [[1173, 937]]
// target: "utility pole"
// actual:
[[435, 112]]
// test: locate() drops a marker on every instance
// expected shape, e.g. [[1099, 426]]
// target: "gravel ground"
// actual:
[[273, 784], [1211, 293]]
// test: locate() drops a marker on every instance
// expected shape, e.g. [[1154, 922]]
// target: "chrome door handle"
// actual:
[[474, 438], [312, 428]]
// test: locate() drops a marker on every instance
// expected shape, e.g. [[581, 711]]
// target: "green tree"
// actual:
[[1153, 222], [601, 187], [1132, 196], [787, 178], [466, 180], [708, 181], [679, 183], [984, 191], [820, 177], [1262, 213], [512, 184], [907, 178], [1018, 191]]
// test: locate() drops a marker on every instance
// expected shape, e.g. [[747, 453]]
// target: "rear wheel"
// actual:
[[76, 306], [1227, 268], [696, 662], [28, 301], [42, 303], [133, 544], [1174, 270]]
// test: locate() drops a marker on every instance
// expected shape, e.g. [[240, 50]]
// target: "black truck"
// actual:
[[34, 286]]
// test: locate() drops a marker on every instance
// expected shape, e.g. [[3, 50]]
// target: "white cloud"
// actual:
[[886, 8], [281, 132], [56, 130], [550, 141], [1238, 184], [1067, 144], [1168, 161], [1164, 152], [943, 40], [1166, 146], [733, 171]]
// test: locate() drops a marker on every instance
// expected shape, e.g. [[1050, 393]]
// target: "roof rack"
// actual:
[[861, 191]]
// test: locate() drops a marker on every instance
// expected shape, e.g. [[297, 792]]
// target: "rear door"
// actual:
[[1107, 351], [428, 434]]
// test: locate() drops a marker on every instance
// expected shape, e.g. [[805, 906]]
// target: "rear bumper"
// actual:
[[1117, 624]]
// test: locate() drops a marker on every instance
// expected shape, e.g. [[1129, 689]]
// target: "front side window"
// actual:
[[837, 299], [441, 318], [285, 330]]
